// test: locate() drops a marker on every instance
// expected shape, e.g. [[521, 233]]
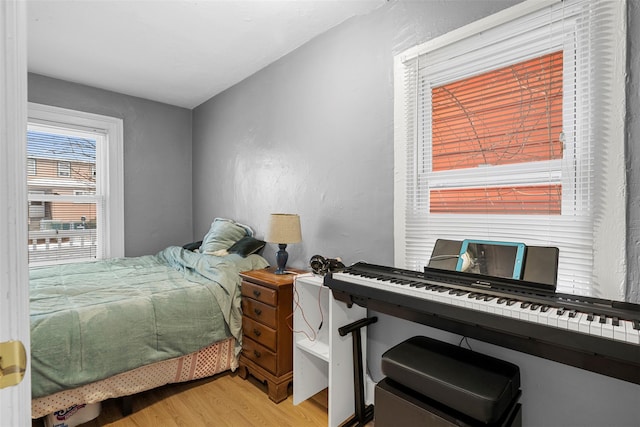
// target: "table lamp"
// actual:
[[283, 229]]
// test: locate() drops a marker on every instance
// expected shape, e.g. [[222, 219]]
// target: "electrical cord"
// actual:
[[313, 335]]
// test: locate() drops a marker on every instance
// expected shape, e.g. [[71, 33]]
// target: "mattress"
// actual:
[[208, 361]]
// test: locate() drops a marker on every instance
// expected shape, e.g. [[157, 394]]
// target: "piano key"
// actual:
[[563, 320], [543, 316], [482, 304], [526, 314], [468, 303], [607, 327], [521, 313], [595, 327], [619, 331], [495, 307], [552, 318], [574, 321], [583, 324], [506, 309], [458, 301], [492, 307], [443, 298], [632, 333]]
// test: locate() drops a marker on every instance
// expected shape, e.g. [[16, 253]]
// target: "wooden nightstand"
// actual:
[[267, 343]]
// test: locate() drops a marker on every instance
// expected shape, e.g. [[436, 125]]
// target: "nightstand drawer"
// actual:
[[259, 354], [259, 332], [260, 293], [263, 313]]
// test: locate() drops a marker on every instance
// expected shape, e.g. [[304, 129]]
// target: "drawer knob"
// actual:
[[257, 353], [256, 293], [256, 332], [257, 311]]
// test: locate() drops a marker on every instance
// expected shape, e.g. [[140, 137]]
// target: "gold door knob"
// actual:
[[13, 363]]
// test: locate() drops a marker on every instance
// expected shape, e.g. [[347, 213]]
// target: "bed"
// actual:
[[117, 327]]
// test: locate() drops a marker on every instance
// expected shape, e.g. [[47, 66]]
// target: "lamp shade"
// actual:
[[284, 228]]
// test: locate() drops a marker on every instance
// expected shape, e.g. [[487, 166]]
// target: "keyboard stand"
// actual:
[[363, 414]]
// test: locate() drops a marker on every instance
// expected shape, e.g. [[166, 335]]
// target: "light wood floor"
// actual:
[[224, 400]]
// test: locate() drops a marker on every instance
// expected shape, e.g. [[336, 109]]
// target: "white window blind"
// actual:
[[507, 129]]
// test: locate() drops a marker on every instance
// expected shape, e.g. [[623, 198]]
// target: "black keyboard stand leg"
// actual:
[[363, 414]]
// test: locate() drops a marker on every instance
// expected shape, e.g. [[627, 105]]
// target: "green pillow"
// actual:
[[223, 234]]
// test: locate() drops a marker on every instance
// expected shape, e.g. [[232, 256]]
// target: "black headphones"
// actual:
[[321, 265]]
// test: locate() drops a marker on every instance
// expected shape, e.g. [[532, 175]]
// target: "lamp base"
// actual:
[[281, 259]]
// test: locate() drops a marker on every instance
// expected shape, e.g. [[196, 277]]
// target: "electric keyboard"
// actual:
[[590, 333]]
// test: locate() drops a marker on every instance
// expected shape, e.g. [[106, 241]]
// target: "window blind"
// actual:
[[464, 174]]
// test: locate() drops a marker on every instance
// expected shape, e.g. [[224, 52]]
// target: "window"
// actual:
[[504, 133], [64, 168], [481, 124], [75, 200], [32, 167]]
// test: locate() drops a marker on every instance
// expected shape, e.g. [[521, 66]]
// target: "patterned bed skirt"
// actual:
[[208, 361]]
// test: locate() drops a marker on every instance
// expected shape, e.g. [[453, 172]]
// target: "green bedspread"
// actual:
[[90, 321]]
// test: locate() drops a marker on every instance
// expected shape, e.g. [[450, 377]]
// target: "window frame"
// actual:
[[64, 169], [608, 275], [32, 166], [110, 169]]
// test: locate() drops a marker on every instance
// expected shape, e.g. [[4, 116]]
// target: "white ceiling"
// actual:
[[180, 52]]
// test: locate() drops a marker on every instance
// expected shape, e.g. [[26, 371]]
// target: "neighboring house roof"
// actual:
[[60, 147]]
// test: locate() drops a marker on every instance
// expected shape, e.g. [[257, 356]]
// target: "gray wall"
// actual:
[[157, 160], [313, 134], [633, 151]]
